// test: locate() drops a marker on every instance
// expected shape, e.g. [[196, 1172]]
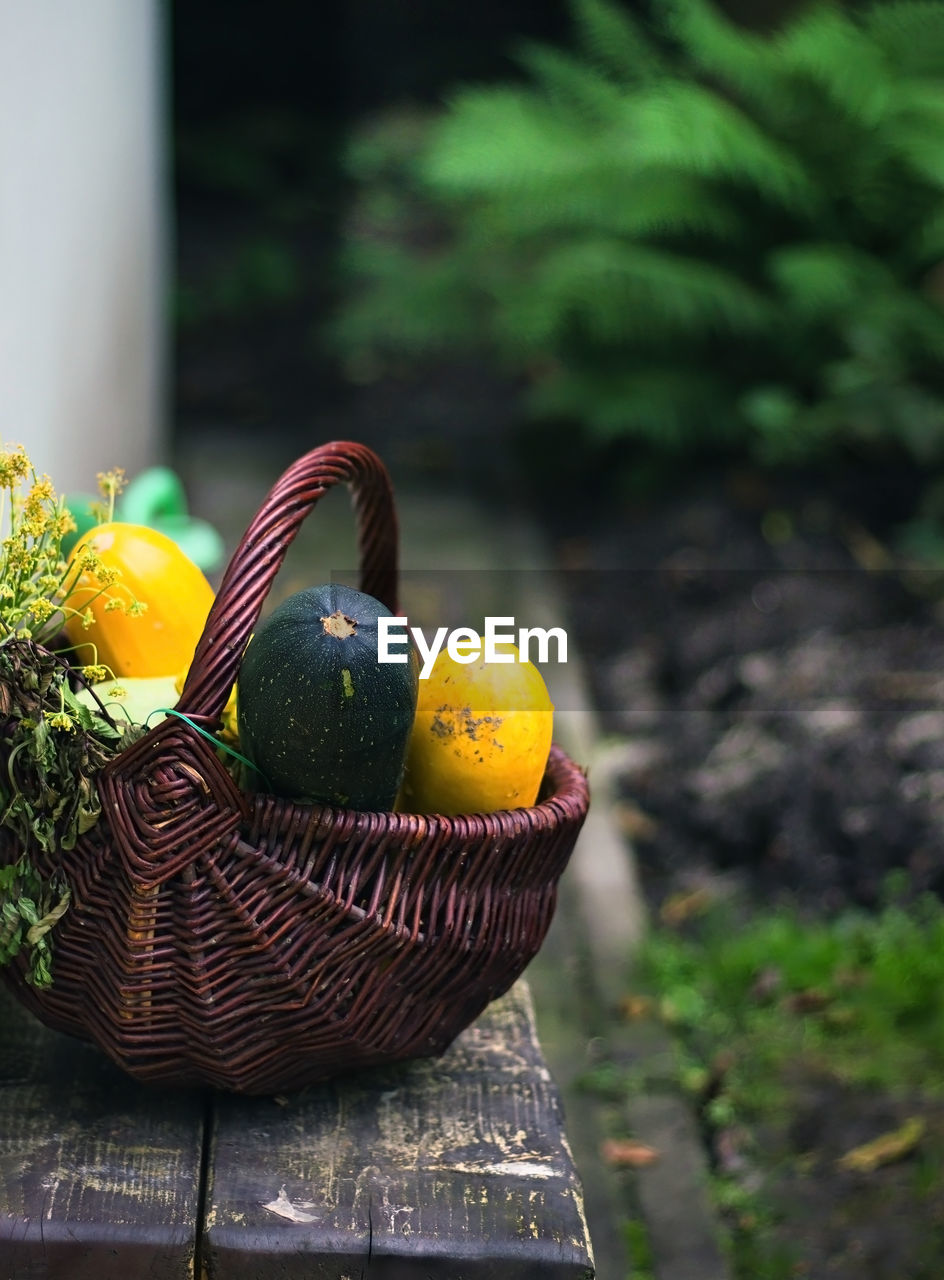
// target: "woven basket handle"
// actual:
[[260, 554]]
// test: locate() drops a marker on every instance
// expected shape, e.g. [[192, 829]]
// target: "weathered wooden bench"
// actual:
[[453, 1168]]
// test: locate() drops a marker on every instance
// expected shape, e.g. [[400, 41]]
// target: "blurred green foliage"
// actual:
[[877, 1019], [774, 1010], [680, 230]]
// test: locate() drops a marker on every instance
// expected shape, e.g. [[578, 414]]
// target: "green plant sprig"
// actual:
[[36, 581], [51, 744], [29, 908]]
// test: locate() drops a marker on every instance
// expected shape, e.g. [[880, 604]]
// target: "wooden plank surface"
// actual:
[[453, 1168], [99, 1176]]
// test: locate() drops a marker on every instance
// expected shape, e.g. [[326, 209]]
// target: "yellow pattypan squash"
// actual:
[[480, 739], [151, 569]]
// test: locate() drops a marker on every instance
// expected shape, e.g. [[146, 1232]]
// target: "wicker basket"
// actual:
[[257, 945]]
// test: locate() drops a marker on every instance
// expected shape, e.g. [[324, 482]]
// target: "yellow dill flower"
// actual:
[[18, 557], [36, 582], [34, 523], [59, 720], [63, 523], [14, 466], [108, 575], [88, 559], [41, 492], [111, 483], [41, 609], [95, 672]]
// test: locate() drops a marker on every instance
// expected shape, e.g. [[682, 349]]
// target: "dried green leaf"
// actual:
[[51, 750]]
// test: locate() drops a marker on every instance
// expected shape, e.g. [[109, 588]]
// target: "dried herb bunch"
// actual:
[[51, 745]]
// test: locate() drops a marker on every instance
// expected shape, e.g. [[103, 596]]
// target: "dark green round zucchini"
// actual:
[[318, 714]]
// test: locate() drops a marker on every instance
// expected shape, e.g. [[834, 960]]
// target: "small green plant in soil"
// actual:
[[814, 1050], [679, 231]]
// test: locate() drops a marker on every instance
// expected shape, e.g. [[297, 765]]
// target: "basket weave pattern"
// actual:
[[258, 945]]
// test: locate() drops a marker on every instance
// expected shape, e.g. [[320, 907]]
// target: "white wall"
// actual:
[[83, 260]]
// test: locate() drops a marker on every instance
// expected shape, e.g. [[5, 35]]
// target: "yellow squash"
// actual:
[[480, 738], [153, 570]]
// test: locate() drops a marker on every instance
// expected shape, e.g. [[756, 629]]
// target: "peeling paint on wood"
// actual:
[[455, 1167], [99, 1179]]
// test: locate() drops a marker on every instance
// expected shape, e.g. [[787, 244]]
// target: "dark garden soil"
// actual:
[[771, 677], [774, 674]]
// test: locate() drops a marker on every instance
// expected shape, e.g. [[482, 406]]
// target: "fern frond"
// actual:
[[615, 292], [739, 58], [654, 404], [701, 231], [872, 408], [689, 127], [876, 314], [911, 33], [658, 204], [861, 406], [502, 139], [569, 82], [902, 327], [516, 151], [615, 42], [826, 279], [826, 46], [918, 124]]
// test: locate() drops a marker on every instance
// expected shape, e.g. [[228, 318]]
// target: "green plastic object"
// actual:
[[156, 498]]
